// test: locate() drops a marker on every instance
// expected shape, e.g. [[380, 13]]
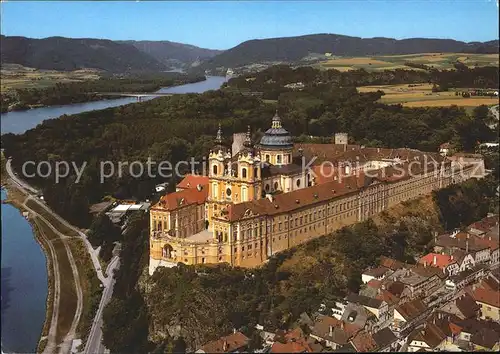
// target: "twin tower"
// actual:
[[236, 176]]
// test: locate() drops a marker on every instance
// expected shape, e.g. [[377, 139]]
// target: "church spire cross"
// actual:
[[248, 137], [218, 138]]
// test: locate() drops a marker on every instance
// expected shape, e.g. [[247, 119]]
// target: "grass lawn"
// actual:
[[58, 225], [68, 299], [90, 285]]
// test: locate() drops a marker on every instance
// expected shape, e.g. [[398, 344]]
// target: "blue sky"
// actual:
[[224, 24]]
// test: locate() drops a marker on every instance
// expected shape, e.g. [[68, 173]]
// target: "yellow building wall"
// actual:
[[272, 234], [277, 157], [489, 311]]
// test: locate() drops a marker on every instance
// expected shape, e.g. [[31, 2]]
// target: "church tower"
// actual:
[[248, 178], [276, 145], [219, 166]]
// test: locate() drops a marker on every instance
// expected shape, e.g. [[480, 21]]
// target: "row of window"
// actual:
[[244, 172]]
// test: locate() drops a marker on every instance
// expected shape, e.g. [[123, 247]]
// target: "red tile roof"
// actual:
[[431, 334], [436, 260], [374, 283], [191, 181], [286, 202], [291, 347], [296, 342], [226, 344], [363, 342], [487, 296], [390, 263], [410, 310], [181, 199], [388, 297]]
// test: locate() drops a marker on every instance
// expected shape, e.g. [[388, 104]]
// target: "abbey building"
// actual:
[[265, 198]]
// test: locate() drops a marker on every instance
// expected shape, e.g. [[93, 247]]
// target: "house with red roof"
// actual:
[[442, 261], [192, 181], [489, 300]]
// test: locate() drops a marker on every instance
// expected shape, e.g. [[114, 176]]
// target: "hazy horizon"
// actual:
[[223, 25]]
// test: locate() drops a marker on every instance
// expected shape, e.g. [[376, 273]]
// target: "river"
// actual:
[[18, 122], [24, 272], [24, 283]]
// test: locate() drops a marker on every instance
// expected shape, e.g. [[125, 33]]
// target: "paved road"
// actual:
[[93, 254], [94, 341], [107, 281], [18, 181]]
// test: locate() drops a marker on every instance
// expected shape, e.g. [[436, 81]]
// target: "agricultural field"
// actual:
[[391, 62], [19, 77], [421, 95]]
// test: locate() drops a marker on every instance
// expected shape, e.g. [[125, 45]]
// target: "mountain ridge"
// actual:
[[172, 53], [65, 54], [293, 49]]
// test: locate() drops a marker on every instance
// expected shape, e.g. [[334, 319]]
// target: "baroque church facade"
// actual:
[[263, 199]]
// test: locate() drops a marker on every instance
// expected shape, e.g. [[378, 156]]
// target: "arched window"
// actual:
[[267, 187], [268, 158], [244, 172], [214, 170], [255, 172], [244, 194], [275, 186], [298, 182], [278, 159], [215, 191]]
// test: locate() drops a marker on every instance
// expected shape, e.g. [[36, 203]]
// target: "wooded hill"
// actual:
[[173, 53], [293, 49], [59, 53]]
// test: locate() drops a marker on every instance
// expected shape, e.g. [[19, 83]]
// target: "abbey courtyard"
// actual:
[[257, 199]]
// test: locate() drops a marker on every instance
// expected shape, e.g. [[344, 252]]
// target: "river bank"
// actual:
[[54, 246], [18, 122], [11, 101], [16, 311]]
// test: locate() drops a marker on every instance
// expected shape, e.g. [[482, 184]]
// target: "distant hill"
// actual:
[[170, 53], [293, 49], [59, 53]]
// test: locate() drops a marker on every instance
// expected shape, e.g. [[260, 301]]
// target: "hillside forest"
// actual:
[[206, 302], [183, 126]]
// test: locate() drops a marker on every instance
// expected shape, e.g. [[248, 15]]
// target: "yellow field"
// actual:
[[397, 89], [344, 68], [463, 102], [19, 77], [391, 62], [355, 61]]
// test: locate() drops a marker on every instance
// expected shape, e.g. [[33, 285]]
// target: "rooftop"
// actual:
[[192, 181], [436, 260], [226, 344], [487, 296], [410, 310], [200, 237], [364, 300], [176, 200]]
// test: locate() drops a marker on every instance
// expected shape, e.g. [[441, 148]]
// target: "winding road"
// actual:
[[94, 344]]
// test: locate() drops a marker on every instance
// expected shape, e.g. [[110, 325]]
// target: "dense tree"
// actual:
[[102, 230]]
